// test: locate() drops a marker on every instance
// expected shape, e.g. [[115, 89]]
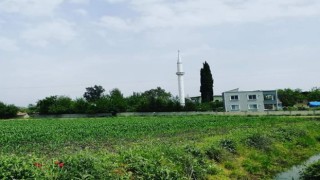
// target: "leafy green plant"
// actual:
[[229, 145], [251, 166], [258, 141], [79, 166], [312, 172], [194, 151], [228, 165], [13, 167], [145, 168], [215, 154]]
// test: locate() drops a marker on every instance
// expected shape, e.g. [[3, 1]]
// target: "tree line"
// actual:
[[95, 100], [297, 98]]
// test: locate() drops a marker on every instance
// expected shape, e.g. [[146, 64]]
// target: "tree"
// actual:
[[206, 81], [55, 105], [8, 111], [93, 93], [314, 94], [45, 104], [62, 105], [154, 100], [118, 102], [81, 106], [290, 97]]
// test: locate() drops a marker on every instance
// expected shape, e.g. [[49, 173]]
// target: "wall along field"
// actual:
[[177, 147]]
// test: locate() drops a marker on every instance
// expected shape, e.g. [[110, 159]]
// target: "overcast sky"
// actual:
[[60, 47]]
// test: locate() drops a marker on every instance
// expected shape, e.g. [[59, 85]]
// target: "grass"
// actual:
[[178, 147]]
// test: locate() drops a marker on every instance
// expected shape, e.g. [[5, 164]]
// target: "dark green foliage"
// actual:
[[94, 93], [215, 154], [287, 133], [194, 151], [190, 106], [305, 141], [312, 172], [117, 101], [45, 104], [8, 111], [251, 166], [55, 105], [259, 141], [206, 82], [314, 94], [146, 168], [290, 97], [81, 106], [228, 165], [154, 100], [32, 109], [61, 105], [79, 166], [102, 105], [229, 145], [12, 167]]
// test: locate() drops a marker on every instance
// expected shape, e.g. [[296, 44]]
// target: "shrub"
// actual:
[[288, 134], [258, 141], [215, 154], [228, 165], [194, 151], [311, 172], [229, 145], [79, 166], [145, 168], [12, 167], [8, 111], [251, 166]]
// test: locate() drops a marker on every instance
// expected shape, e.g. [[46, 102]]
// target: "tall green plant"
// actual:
[[206, 81]]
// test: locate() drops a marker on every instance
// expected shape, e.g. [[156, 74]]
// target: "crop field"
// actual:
[[177, 147]]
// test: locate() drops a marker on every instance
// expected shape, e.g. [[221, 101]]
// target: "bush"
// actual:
[[311, 172], [79, 166], [229, 145], [194, 151], [8, 111], [12, 167], [258, 141], [215, 154], [145, 168]]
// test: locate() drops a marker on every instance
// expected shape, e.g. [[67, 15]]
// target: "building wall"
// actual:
[[244, 102]]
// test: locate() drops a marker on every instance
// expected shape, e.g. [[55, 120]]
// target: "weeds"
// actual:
[[258, 141], [229, 145]]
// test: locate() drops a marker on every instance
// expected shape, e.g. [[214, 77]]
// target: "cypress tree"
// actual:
[[206, 80]]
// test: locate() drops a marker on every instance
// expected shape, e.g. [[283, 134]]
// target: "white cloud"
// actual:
[[79, 1], [8, 44], [56, 31], [30, 7], [153, 14], [115, 1], [115, 23], [81, 12]]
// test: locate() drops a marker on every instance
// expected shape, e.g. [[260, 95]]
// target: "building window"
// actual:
[[253, 106], [269, 107], [235, 107], [252, 97], [234, 97], [268, 97]]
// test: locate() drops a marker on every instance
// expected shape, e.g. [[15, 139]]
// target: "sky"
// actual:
[[60, 47]]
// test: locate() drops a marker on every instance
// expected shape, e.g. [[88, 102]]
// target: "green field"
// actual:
[[177, 147]]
